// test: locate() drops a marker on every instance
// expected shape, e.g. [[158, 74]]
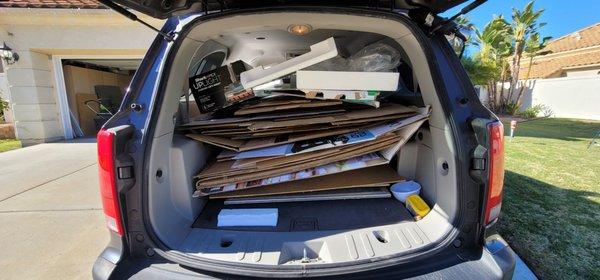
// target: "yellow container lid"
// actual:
[[417, 206]]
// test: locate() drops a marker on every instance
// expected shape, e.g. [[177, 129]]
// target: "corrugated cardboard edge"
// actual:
[[371, 176]]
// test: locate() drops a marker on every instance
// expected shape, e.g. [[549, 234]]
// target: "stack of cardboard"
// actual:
[[280, 142], [270, 149]]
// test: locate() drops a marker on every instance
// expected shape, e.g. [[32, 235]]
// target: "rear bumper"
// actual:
[[497, 261], [108, 261]]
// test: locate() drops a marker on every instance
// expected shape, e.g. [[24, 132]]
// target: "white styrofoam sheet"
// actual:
[[343, 80], [248, 217], [318, 52]]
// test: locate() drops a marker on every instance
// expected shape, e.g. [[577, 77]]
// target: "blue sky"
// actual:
[[562, 16]]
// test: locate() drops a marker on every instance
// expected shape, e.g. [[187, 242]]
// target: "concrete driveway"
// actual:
[[52, 226]]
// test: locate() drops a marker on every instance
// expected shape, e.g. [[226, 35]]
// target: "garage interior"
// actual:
[[95, 88]]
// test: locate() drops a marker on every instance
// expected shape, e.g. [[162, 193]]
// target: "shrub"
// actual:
[[3, 105], [535, 111], [545, 110], [512, 108]]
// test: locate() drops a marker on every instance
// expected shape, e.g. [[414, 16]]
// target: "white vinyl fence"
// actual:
[[568, 97]]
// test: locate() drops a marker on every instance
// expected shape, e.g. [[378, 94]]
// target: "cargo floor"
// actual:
[[316, 215]]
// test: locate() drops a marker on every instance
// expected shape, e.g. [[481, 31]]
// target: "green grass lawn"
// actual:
[[9, 144], [551, 206]]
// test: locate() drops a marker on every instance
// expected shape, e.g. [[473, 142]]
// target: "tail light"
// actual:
[[108, 185], [496, 171]]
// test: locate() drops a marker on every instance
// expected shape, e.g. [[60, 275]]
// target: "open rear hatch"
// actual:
[[204, 168], [167, 8]]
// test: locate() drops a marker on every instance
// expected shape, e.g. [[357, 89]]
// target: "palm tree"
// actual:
[[494, 48], [525, 23], [466, 28]]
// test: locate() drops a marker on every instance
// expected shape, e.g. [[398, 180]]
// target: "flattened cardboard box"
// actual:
[[358, 116], [290, 105], [246, 121], [228, 168], [313, 144], [367, 160], [227, 173], [281, 135], [311, 168], [370, 176], [277, 127]]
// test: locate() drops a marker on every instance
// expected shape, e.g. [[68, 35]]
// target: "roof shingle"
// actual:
[[587, 37], [53, 4], [565, 52], [549, 66]]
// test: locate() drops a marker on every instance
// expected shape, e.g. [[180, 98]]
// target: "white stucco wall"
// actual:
[[569, 97], [583, 73], [39, 34]]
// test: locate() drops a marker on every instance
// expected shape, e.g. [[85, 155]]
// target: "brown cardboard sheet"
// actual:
[[268, 162], [258, 166], [286, 107], [230, 144], [371, 120], [276, 102], [370, 176], [244, 121], [231, 182], [357, 115], [362, 161], [218, 170], [237, 144], [259, 173]]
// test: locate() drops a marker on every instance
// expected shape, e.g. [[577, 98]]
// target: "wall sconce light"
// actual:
[[8, 54]]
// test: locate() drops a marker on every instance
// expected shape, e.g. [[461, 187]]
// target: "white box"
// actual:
[[342, 80]]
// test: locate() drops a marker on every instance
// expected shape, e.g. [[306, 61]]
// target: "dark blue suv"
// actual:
[[147, 166]]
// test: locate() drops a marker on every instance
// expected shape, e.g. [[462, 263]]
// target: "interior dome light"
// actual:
[[299, 29]]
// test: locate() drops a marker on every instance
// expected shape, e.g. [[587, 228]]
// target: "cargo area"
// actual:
[[205, 160], [316, 215]]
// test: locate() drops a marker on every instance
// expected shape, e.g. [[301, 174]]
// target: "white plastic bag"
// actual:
[[377, 57]]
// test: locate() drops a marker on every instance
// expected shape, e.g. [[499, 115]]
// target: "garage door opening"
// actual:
[[94, 90]]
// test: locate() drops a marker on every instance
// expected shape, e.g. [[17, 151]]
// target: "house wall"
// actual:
[[39, 34], [568, 97], [583, 72]]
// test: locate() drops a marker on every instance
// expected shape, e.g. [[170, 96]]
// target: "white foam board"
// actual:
[[248, 217], [318, 52], [343, 80]]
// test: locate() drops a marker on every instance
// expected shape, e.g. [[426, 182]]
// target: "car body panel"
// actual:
[[497, 261]]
